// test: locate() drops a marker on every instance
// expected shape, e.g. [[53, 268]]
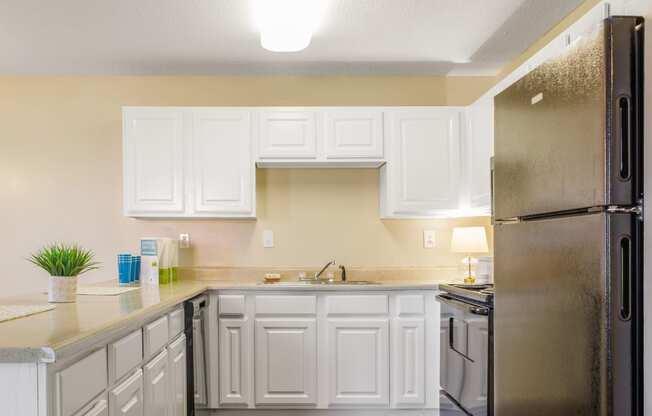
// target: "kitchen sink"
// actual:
[[323, 283]]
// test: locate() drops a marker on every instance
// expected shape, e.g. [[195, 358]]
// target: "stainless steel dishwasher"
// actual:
[[196, 310]]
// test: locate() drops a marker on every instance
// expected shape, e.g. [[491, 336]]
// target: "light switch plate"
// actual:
[[428, 238], [184, 240], [268, 238]]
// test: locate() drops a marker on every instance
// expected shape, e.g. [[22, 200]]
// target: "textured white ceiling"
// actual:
[[474, 37]]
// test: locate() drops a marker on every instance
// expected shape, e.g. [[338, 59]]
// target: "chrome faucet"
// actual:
[[323, 269]]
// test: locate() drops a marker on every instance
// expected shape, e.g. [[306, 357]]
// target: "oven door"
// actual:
[[464, 370]]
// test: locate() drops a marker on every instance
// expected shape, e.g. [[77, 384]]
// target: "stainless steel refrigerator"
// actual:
[[568, 195]]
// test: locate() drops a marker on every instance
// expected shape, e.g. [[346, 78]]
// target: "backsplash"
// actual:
[[383, 274]]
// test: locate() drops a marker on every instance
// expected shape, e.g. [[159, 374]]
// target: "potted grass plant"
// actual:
[[64, 263]]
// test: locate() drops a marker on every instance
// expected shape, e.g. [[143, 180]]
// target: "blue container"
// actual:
[[135, 270], [124, 269]]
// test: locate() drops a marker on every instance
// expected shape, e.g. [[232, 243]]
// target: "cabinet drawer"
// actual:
[[127, 398], [125, 354], [81, 382], [286, 305], [411, 305], [155, 336], [232, 305], [357, 305], [98, 407], [175, 321]]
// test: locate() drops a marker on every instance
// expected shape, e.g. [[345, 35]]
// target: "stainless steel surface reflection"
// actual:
[[550, 156], [551, 313], [465, 356]]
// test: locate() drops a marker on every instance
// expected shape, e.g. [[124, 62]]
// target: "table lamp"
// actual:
[[469, 240]]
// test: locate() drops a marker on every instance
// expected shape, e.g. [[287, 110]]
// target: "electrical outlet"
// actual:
[[268, 238], [184, 240], [428, 238]]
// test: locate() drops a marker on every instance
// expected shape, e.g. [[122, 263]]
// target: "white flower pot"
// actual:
[[62, 289]]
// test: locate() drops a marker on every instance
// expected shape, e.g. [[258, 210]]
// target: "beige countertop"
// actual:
[[38, 338]]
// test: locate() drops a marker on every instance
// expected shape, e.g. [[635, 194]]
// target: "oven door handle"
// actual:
[[472, 309]]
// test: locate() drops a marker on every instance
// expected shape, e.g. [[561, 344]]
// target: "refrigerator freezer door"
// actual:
[[567, 134], [550, 317], [559, 332]]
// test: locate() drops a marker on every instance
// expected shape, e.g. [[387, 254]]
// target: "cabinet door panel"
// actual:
[[98, 407], [127, 398], [81, 382], [286, 361], [288, 134], [358, 361], [157, 386], [480, 133], [408, 380], [425, 161], [234, 361], [353, 134], [221, 160], [178, 383], [153, 161]]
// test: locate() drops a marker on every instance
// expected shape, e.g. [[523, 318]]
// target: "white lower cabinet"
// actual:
[[177, 368], [127, 398], [98, 407], [286, 361], [156, 390], [320, 350], [234, 360], [358, 362], [408, 362]]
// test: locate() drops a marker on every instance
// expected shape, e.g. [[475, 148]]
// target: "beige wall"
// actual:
[[60, 175]]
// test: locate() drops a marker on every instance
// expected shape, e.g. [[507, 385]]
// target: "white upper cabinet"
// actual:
[[290, 134], [153, 145], [221, 160], [353, 134], [478, 144], [422, 175], [188, 162], [199, 162], [320, 137]]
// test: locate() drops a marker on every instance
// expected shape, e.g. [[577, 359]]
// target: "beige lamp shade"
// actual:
[[469, 240]]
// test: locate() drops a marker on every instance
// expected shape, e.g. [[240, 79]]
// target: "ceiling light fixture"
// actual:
[[287, 25]]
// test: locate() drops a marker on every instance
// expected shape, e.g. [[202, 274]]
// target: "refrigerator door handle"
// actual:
[[626, 269], [624, 141]]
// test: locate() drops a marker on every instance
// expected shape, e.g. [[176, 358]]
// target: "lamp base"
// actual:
[[469, 280]]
